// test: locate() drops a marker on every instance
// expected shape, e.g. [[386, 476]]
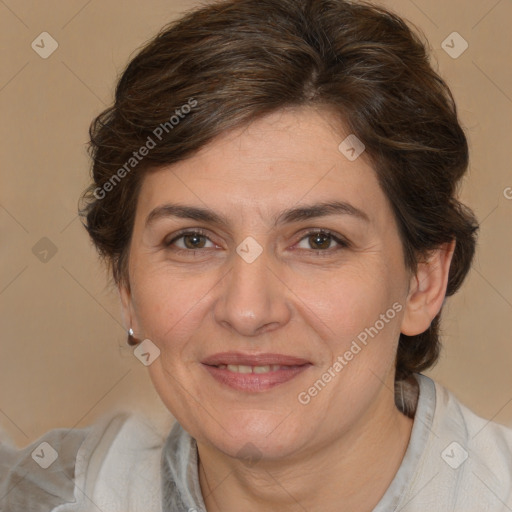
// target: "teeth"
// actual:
[[241, 368], [261, 369]]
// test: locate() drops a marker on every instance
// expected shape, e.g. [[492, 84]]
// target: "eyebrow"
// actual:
[[290, 215]]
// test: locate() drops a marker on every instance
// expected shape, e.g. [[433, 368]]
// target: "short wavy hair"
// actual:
[[238, 60]]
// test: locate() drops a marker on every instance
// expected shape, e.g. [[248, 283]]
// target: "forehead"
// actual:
[[282, 159]]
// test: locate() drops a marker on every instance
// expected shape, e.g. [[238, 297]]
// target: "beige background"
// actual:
[[63, 360]]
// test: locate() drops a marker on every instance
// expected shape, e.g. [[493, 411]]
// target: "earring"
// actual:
[[131, 338]]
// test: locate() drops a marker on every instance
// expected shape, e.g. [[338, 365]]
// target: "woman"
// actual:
[[274, 190]]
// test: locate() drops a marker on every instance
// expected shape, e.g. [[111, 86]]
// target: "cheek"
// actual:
[[350, 299], [167, 306], [362, 310]]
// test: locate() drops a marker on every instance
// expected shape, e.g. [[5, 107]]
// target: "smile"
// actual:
[[241, 368], [253, 373]]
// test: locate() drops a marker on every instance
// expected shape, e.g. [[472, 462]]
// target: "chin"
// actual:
[[254, 435]]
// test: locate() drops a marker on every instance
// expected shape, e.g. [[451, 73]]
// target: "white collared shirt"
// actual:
[[455, 462]]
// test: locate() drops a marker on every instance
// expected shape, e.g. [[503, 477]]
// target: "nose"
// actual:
[[254, 299]]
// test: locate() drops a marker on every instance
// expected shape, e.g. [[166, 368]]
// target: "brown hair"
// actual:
[[236, 60]]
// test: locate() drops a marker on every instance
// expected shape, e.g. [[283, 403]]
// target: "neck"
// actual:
[[355, 470]]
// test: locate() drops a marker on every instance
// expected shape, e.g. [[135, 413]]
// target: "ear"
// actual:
[[127, 312], [427, 290]]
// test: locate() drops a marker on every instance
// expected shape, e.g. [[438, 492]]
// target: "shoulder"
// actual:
[[488, 444], [487, 438], [60, 470], [129, 474], [470, 452]]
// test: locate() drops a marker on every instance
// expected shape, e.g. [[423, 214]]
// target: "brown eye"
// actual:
[[192, 240], [321, 241]]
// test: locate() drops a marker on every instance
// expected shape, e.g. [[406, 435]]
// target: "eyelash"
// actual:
[[343, 244]]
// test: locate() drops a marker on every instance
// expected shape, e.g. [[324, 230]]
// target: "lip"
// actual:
[[254, 382], [253, 359]]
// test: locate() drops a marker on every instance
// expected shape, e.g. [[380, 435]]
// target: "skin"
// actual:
[[346, 444]]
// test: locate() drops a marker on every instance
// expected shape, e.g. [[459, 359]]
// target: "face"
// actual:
[[277, 323]]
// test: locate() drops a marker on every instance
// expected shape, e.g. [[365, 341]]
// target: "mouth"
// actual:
[[254, 373], [242, 368]]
